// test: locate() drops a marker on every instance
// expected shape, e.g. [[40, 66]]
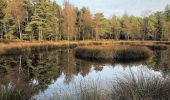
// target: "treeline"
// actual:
[[46, 20]]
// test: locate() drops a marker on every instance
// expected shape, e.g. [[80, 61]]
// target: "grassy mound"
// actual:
[[113, 52]]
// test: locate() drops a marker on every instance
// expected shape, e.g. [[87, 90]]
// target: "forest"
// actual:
[[45, 20]]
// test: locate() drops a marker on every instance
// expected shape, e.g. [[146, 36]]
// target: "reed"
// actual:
[[9, 92], [84, 90], [140, 87], [129, 86]]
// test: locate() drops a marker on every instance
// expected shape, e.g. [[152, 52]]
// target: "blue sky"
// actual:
[[118, 7]]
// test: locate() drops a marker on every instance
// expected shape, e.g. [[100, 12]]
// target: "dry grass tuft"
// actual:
[[9, 92], [129, 86]]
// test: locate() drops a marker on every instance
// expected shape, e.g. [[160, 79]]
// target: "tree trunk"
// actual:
[[92, 35], [2, 32], [75, 37], [56, 38], [68, 35], [83, 35], [79, 33], [32, 35], [20, 32], [96, 33], [5, 30], [39, 34]]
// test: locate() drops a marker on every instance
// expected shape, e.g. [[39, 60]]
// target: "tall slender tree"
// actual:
[[69, 15], [98, 23], [3, 4], [86, 19], [16, 10], [115, 27], [160, 26]]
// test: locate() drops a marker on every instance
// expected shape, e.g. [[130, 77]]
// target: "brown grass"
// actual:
[[153, 46], [113, 52], [129, 86], [13, 47]]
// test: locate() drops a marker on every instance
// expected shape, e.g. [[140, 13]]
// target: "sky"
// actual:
[[119, 7]]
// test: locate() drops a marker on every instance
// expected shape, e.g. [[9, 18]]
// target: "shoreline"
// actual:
[[15, 47]]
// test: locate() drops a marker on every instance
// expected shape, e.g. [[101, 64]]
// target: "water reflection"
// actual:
[[42, 74]]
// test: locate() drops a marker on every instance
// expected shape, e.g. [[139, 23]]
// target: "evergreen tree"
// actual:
[[160, 26], [167, 15], [115, 28], [39, 21], [98, 24], [2, 14]]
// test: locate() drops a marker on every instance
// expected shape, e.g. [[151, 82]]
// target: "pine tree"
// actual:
[[2, 14], [160, 26], [39, 22], [125, 24], [98, 23], [167, 15]]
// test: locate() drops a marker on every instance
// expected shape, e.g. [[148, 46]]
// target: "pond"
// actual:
[[41, 75]]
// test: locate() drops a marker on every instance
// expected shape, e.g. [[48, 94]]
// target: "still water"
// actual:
[[42, 75]]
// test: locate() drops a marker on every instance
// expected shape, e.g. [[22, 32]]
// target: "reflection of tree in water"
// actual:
[[161, 61], [33, 73], [25, 70], [83, 67], [67, 62], [19, 80]]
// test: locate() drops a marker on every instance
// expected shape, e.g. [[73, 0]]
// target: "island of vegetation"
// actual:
[[113, 52]]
